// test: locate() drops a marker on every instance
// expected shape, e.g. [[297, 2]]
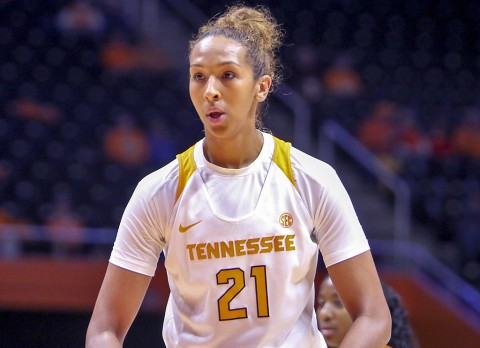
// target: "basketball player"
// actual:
[[240, 217]]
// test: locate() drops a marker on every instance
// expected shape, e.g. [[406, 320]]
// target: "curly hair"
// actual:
[[256, 29], [402, 335]]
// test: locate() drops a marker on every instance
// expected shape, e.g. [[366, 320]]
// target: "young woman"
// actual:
[[240, 217], [334, 320]]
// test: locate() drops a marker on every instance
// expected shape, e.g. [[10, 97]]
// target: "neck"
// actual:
[[233, 153]]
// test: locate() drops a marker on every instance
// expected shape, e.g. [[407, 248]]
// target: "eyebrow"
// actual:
[[230, 62]]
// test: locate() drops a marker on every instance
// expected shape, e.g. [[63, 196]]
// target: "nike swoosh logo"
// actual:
[[183, 229]]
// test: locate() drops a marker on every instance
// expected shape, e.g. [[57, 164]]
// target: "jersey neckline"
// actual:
[[265, 155]]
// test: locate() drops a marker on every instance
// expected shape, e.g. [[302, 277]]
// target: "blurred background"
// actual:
[[94, 95]]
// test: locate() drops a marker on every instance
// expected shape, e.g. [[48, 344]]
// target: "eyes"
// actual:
[[336, 303], [197, 77], [227, 75]]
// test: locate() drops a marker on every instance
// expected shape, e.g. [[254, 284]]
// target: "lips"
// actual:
[[327, 330], [215, 112], [215, 115]]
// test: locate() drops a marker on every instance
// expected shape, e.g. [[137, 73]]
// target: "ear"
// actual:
[[263, 87]]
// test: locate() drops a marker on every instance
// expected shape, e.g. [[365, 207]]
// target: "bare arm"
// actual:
[[358, 286], [118, 302]]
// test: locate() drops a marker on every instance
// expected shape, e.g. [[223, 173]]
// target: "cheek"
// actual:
[[196, 95], [344, 321], [191, 90]]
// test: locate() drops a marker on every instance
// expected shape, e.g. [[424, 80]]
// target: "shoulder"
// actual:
[[163, 181], [311, 169], [319, 185], [152, 201]]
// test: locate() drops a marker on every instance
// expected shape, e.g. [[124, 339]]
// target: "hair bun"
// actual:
[[256, 29]]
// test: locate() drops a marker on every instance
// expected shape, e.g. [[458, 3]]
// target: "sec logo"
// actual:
[[286, 220]]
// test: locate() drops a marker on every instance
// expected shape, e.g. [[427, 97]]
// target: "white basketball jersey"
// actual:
[[240, 264]]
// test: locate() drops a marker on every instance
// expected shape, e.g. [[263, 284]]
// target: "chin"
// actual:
[[331, 344]]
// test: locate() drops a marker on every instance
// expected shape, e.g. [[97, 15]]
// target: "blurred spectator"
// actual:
[[162, 145], [64, 227], [152, 58], [466, 137], [125, 143], [379, 132], [81, 17], [120, 55], [342, 87], [341, 79], [5, 217], [30, 108], [440, 144], [412, 141], [12, 214]]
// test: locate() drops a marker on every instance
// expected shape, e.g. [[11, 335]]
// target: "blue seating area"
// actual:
[[59, 101], [44, 155]]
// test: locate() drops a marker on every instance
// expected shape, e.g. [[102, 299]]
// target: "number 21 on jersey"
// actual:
[[237, 276]]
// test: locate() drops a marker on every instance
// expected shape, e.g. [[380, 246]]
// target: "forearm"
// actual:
[[118, 302], [106, 339], [367, 332]]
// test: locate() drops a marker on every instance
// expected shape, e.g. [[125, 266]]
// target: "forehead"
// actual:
[[217, 50], [327, 289]]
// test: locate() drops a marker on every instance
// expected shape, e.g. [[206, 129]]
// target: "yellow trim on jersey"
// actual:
[[281, 157], [186, 164], [186, 167]]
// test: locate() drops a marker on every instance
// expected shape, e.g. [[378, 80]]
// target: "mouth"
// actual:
[[327, 331], [215, 115]]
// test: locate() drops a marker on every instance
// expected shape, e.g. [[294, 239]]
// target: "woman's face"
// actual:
[[333, 318], [222, 87]]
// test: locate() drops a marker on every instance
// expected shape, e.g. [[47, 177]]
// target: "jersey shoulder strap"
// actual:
[[186, 167], [186, 164], [281, 157]]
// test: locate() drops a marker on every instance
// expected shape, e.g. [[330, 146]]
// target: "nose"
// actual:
[[325, 312], [211, 92]]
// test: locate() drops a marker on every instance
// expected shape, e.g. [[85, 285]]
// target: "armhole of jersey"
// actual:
[[281, 157], [186, 167]]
